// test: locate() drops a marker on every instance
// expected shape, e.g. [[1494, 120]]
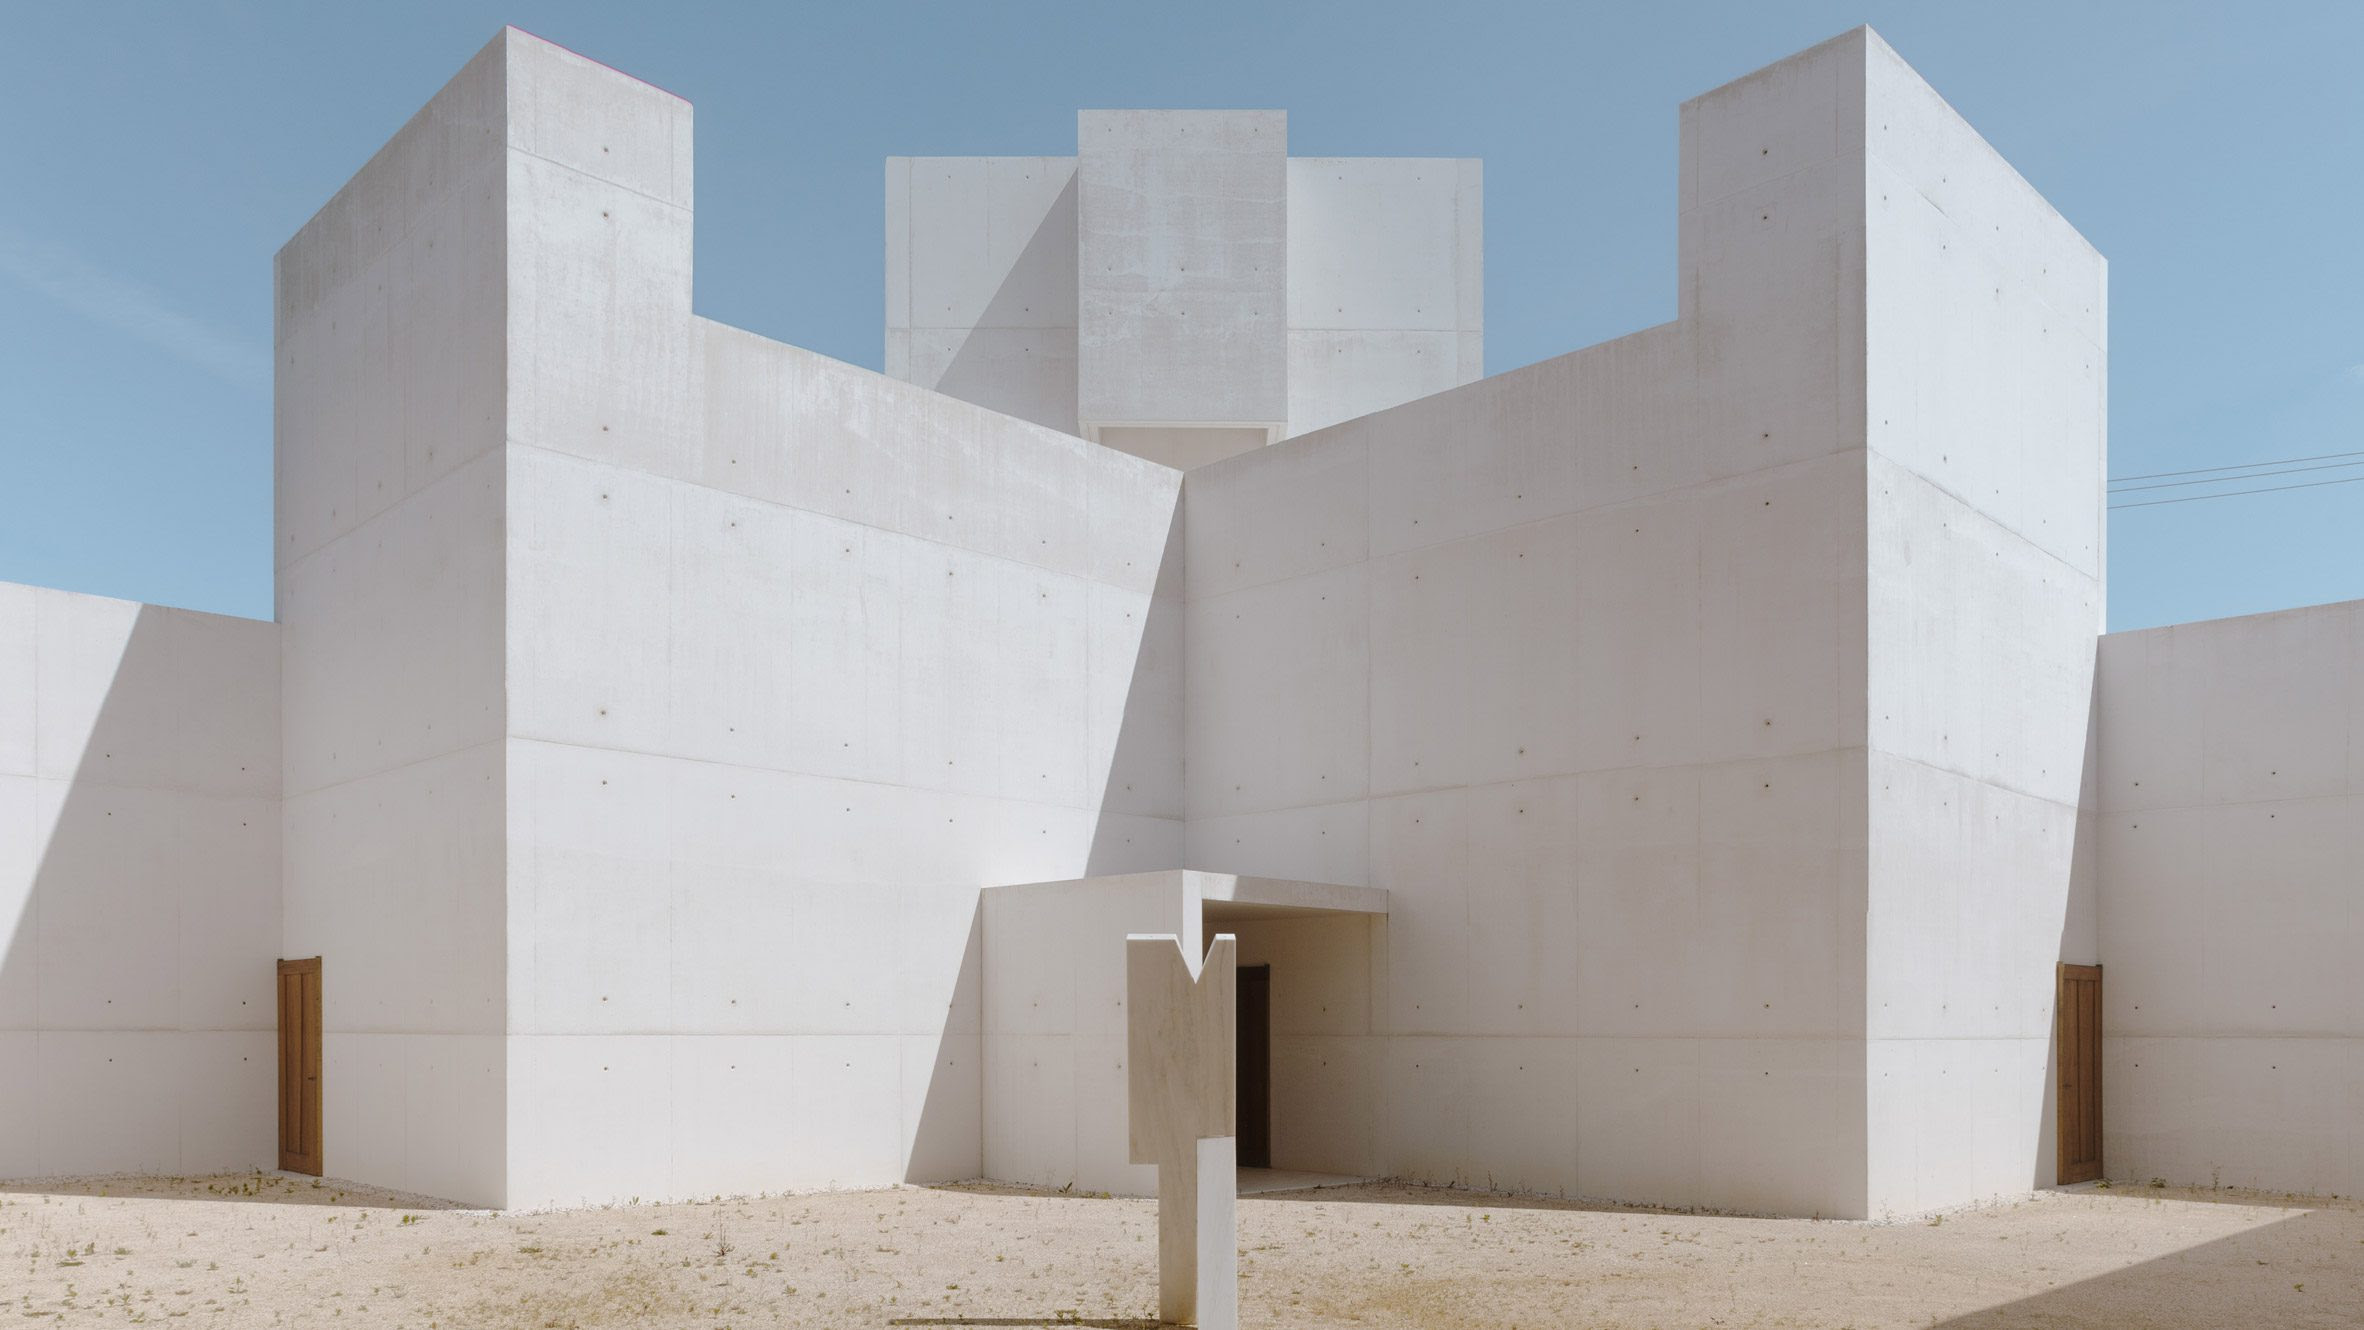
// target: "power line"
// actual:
[[2228, 480], [2239, 466], [2232, 494]]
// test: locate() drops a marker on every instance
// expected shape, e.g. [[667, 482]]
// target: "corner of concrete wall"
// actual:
[[1985, 362]]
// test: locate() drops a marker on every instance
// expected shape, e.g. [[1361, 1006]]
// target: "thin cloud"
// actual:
[[116, 302]]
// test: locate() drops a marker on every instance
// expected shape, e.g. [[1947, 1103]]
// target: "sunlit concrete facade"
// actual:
[[1669, 772]]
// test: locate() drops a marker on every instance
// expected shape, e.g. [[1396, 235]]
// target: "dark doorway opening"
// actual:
[[1255, 1066]]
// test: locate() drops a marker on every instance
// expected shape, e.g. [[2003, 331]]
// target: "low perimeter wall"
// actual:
[[2232, 901], [139, 887]]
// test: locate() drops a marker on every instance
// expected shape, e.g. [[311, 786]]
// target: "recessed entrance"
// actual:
[[299, 1066], [1255, 1066], [2078, 1022]]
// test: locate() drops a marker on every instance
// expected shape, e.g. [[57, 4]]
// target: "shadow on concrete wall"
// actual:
[[947, 1145], [2080, 940], [136, 986], [977, 373], [1145, 769]]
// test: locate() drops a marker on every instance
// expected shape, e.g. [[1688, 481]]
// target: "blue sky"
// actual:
[[157, 155]]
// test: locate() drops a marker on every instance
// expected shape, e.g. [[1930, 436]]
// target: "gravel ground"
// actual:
[[270, 1250]]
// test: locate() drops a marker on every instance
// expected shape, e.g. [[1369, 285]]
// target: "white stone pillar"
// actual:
[[1181, 1033]]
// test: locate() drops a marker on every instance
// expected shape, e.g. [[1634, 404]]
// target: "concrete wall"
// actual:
[[1386, 283], [980, 281], [1986, 342], [139, 887], [800, 683], [2232, 848], [1182, 261], [1571, 662], [800, 657], [394, 386]]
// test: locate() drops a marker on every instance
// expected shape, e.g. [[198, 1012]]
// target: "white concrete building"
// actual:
[[1673, 772]]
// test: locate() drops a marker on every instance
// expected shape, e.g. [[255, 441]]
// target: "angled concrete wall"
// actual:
[[2232, 848], [393, 395], [139, 887], [1986, 344], [852, 651]]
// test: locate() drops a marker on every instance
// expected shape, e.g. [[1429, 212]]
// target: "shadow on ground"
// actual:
[[261, 1188], [1123, 1323], [2266, 1271], [1360, 1193]]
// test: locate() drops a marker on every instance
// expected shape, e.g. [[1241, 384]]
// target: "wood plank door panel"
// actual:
[[299, 1066], [2078, 1039], [1254, 1081]]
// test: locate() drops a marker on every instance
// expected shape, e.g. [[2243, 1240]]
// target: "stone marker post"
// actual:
[[1180, 1069]]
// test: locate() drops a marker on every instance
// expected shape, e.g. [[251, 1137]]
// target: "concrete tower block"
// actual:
[[602, 364], [605, 383], [1182, 284], [500, 295], [769, 617], [1182, 1095], [1771, 240], [392, 377], [1984, 389]]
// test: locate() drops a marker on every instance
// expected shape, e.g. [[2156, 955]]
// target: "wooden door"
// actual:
[[1255, 1066], [2079, 1041], [299, 1066]]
